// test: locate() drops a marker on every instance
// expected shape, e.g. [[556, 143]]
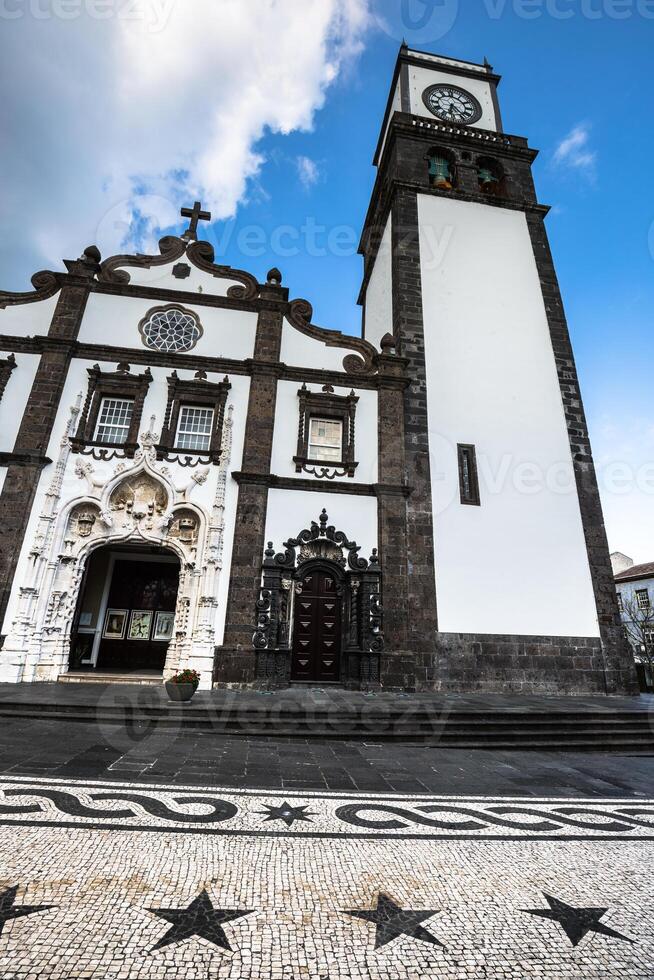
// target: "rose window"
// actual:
[[170, 328]]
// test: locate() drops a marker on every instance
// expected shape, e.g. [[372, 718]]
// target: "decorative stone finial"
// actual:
[[323, 520], [274, 277], [92, 254], [387, 342]]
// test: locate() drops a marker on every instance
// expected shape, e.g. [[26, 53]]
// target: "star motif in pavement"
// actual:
[[576, 922], [393, 921], [10, 911], [289, 814], [200, 918]]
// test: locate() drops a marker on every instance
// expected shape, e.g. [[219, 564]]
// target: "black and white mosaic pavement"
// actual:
[[135, 880]]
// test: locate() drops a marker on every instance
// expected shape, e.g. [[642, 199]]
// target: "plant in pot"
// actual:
[[182, 686]]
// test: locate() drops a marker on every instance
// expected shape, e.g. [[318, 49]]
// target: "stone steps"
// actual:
[[494, 728], [82, 677]]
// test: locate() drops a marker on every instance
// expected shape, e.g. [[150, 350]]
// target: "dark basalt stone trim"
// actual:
[[35, 430], [24, 459], [319, 486], [500, 663], [618, 664], [409, 332], [188, 362], [24, 345], [180, 296]]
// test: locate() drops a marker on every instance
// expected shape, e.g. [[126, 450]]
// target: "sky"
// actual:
[[118, 112]]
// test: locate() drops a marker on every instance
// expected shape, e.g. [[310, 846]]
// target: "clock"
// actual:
[[452, 104]]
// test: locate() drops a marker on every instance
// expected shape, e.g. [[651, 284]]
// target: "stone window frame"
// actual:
[[326, 405], [471, 496], [203, 394], [7, 365], [111, 384]]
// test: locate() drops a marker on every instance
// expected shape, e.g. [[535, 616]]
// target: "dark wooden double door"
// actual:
[[316, 629]]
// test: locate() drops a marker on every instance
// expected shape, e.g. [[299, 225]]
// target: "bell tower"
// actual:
[[500, 577]]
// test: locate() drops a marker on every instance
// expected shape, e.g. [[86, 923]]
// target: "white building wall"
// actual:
[[28, 319], [14, 399], [114, 320], [286, 429], [518, 563], [300, 350], [290, 511], [379, 294], [421, 78]]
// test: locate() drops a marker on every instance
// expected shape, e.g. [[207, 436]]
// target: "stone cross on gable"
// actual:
[[195, 214]]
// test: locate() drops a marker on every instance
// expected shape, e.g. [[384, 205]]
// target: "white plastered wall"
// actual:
[[379, 294], [286, 429], [14, 399], [290, 511], [28, 319], [518, 563], [115, 320], [421, 78], [197, 281], [300, 350]]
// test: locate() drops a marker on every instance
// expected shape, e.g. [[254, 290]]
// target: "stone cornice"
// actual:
[[273, 482], [24, 459]]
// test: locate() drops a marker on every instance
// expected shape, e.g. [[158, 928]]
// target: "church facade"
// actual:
[[193, 474]]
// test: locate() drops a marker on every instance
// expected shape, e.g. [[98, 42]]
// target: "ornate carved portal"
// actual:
[[321, 565], [138, 504]]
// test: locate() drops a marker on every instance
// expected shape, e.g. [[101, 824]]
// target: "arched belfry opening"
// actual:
[[319, 614], [125, 616]]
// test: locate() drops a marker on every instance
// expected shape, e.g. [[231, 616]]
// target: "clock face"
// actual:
[[452, 104]]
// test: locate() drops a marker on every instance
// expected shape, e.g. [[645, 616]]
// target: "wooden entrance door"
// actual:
[[316, 629]]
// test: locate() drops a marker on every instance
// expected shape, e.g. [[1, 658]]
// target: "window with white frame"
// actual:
[[326, 439], [194, 428], [642, 598], [114, 419]]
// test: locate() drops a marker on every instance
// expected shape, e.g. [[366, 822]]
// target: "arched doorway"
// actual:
[[125, 615], [317, 623]]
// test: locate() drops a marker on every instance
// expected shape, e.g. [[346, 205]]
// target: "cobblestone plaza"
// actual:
[[130, 880]]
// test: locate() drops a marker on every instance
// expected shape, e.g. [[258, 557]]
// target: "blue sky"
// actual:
[[275, 120]]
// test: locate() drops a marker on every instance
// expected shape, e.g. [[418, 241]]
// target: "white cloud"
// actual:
[[574, 150], [308, 170], [111, 124]]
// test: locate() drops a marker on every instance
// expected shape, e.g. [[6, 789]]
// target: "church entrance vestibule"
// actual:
[[126, 611]]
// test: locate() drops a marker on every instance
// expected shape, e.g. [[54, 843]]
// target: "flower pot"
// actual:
[[179, 692]]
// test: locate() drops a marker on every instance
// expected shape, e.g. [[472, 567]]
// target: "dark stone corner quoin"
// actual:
[[388, 625]]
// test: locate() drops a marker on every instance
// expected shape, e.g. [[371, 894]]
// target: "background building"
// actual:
[[635, 589]]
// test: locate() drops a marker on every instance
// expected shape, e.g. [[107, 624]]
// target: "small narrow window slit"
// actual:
[[468, 477]]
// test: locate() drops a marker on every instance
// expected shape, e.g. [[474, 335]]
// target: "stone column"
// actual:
[[392, 493], [618, 663], [235, 660], [408, 329], [35, 430]]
